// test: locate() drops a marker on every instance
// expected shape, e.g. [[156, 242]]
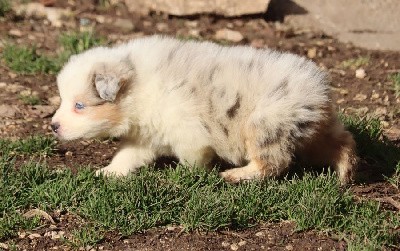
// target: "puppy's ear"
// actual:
[[107, 86], [110, 78]]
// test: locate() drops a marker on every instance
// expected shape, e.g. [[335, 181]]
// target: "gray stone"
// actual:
[[192, 7], [372, 24]]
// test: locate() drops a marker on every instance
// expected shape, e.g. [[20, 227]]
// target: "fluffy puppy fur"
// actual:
[[255, 109]]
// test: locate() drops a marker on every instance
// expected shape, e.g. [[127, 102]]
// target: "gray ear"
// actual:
[[110, 77], [107, 86]]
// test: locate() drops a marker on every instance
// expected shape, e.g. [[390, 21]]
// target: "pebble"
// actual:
[[234, 246], [162, 26], [360, 73], [260, 234], [15, 33], [381, 111], [3, 85], [375, 95], [34, 236], [230, 35], [126, 25], [3, 246], [55, 100], [339, 101], [68, 154], [225, 244], [242, 243], [360, 97], [312, 53], [289, 247]]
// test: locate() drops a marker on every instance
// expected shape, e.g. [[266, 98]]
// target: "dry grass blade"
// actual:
[[37, 212]]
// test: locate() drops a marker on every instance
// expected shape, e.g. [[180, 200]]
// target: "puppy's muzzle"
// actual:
[[55, 126]]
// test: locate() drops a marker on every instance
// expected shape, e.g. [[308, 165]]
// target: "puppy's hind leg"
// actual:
[[269, 148], [333, 146]]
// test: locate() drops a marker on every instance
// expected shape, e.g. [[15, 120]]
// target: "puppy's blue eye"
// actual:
[[79, 105]]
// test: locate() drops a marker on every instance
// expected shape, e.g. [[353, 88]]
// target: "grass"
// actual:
[[192, 198], [355, 63], [396, 83], [32, 146], [5, 7], [395, 179], [28, 61], [74, 43], [30, 99]]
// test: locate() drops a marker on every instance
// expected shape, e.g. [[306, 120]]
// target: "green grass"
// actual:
[[30, 99], [27, 60], [74, 43], [355, 63], [395, 179], [194, 199], [31, 146], [395, 78], [371, 145], [5, 7]]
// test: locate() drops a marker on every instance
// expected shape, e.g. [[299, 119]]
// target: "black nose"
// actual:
[[54, 126]]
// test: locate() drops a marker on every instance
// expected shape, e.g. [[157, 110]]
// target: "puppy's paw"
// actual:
[[111, 171], [231, 176], [240, 174]]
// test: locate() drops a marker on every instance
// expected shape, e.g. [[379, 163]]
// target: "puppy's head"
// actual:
[[93, 86]]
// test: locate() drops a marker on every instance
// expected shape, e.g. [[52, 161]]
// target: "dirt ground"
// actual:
[[371, 95]]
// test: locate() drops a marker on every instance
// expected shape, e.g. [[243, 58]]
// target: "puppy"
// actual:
[[255, 109]]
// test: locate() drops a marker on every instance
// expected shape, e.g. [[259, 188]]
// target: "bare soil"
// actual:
[[371, 95]]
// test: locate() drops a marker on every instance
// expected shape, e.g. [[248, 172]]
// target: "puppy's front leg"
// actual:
[[129, 158]]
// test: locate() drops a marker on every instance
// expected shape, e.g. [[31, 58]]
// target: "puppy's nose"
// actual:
[[54, 126]]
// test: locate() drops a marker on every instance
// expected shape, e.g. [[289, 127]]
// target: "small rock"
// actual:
[[242, 243], [3, 246], [385, 123], [55, 100], [225, 244], [375, 95], [230, 35], [360, 97], [312, 53], [360, 73], [68, 154], [289, 247], [126, 241], [171, 228], [126, 25], [21, 235], [34, 236], [194, 32], [100, 19], [260, 234], [8, 111], [84, 22], [192, 24], [162, 27], [381, 111], [12, 75], [3, 85], [234, 246], [15, 33], [14, 88], [339, 101]]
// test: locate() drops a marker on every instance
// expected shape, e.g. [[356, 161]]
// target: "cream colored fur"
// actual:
[[197, 100]]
